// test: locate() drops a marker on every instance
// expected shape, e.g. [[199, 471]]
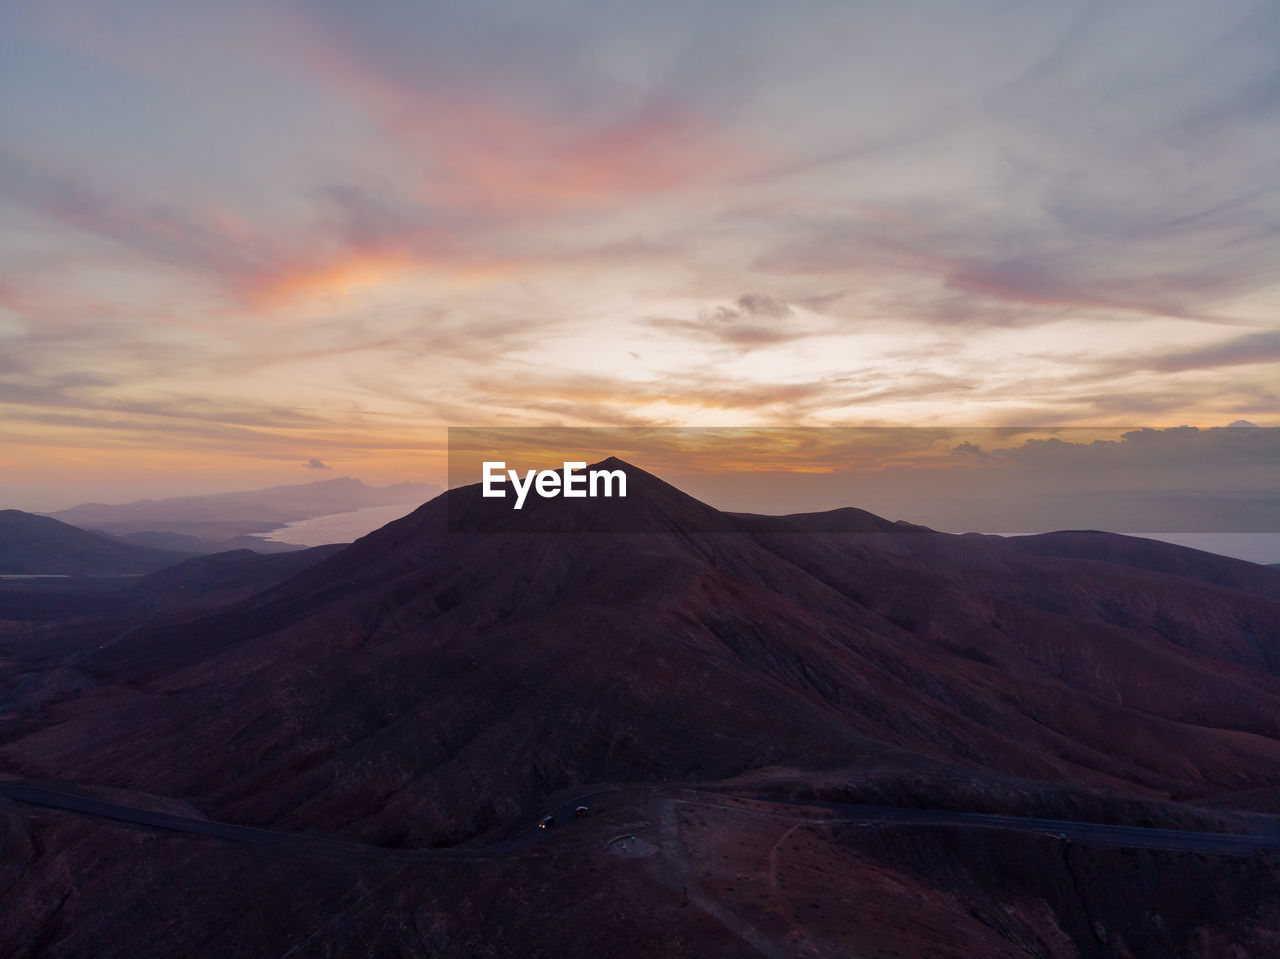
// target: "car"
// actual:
[[546, 822], [580, 811]]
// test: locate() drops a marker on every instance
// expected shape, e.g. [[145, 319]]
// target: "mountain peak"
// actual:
[[649, 505]]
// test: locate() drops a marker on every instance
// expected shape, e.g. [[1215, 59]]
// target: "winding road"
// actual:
[[1135, 837]]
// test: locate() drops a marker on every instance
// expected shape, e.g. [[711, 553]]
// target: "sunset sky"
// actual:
[[241, 237]]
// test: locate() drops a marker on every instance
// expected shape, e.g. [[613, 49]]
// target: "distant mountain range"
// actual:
[[224, 521], [38, 545]]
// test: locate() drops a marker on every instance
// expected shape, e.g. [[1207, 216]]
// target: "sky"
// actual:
[[248, 242]]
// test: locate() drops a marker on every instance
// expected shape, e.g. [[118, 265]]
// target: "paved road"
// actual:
[[36, 794], [562, 816], [869, 816], [71, 802], [1134, 837]]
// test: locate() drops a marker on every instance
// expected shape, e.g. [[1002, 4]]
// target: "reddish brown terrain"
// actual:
[[773, 720]]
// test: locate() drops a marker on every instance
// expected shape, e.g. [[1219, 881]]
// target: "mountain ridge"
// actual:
[[32, 545]]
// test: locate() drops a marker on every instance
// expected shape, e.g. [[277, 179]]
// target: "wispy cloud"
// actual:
[[495, 131], [1253, 348]]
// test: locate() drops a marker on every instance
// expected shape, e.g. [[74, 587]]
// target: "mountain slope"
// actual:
[[219, 578]]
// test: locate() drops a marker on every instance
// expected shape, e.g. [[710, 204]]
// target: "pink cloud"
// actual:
[[476, 149]]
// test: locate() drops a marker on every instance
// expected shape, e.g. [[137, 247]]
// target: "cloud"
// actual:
[[314, 464], [755, 304], [973, 450], [945, 261], [1183, 456], [588, 399], [157, 231], [1241, 351], [18, 386], [259, 265], [514, 138], [753, 320]]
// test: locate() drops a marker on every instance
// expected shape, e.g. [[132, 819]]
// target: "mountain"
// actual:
[[449, 678], [37, 545], [223, 521], [539, 658]]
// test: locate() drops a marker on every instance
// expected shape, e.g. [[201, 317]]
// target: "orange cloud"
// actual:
[[341, 276], [503, 161], [261, 268]]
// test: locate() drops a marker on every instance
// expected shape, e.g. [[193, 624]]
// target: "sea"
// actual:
[[338, 527]]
